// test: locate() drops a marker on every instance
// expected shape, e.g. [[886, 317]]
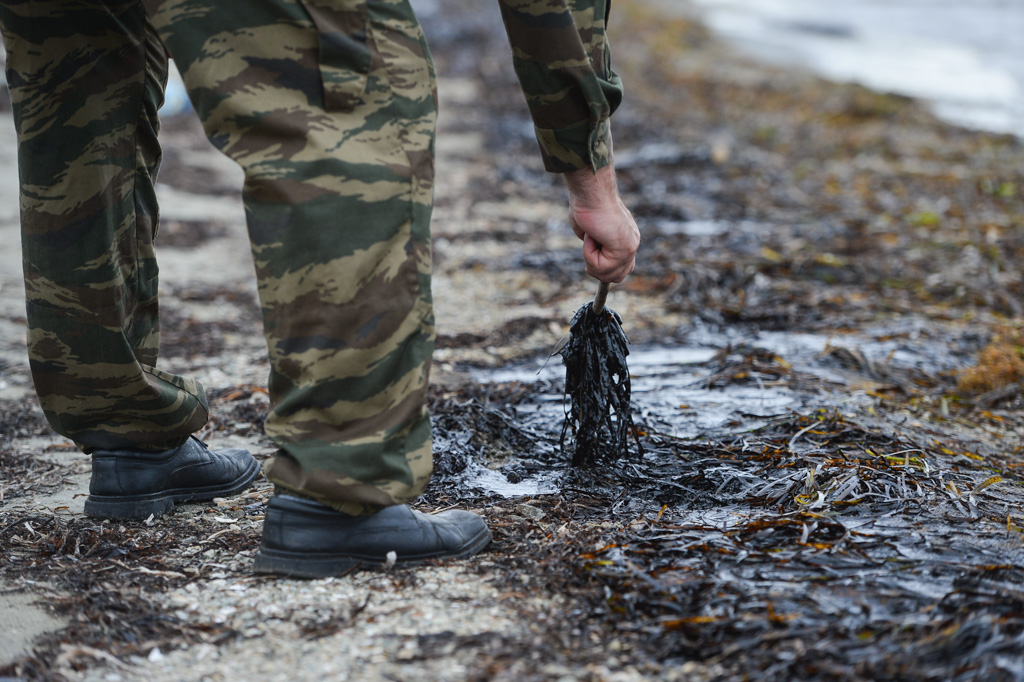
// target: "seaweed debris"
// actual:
[[819, 547], [597, 384]]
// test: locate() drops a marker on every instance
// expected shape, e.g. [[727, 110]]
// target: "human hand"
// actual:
[[598, 217]]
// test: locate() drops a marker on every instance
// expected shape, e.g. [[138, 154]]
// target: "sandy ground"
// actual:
[[451, 603], [506, 284]]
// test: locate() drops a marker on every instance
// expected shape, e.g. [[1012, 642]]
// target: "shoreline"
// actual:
[[775, 206], [966, 80]]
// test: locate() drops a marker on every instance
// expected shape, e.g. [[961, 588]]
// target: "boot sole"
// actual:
[[139, 507], [302, 565]]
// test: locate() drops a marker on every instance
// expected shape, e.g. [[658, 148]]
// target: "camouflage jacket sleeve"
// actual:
[[560, 54]]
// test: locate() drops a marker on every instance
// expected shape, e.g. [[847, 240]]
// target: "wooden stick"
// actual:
[[602, 295]]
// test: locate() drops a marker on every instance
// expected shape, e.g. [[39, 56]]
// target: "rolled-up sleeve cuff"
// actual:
[[582, 145]]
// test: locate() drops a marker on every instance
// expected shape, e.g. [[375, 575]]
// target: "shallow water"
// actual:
[[966, 58]]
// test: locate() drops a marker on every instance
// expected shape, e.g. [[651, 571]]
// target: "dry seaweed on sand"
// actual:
[[865, 541], [598, 387]]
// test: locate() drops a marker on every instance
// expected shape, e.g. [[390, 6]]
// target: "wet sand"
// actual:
[[822, 498]]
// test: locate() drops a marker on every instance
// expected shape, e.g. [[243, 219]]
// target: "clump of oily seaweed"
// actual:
[[597, 385]]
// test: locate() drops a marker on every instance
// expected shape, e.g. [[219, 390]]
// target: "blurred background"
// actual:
[[796, 167], [966, 58], [827, 327]]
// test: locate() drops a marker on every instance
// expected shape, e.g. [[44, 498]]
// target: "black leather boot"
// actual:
[[306, 539], [132, 484]]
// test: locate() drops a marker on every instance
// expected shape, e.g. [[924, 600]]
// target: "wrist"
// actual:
[[592, 190]]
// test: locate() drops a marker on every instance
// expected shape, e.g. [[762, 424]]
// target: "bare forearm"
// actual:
[[589, 189]]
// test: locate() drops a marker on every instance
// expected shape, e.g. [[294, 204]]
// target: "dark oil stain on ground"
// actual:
[[813, 547], [834, 514]]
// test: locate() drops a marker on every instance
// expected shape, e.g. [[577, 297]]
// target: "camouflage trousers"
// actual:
[[329, 106]]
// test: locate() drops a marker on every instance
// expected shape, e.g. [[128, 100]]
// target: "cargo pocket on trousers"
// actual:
[[343, 50]]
